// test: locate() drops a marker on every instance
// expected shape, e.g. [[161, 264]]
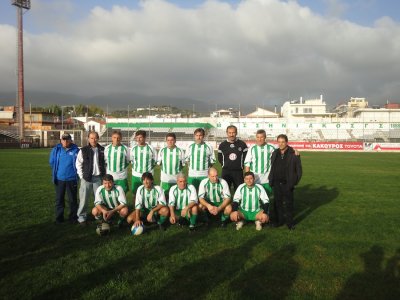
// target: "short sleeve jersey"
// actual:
[[171, 161], [117, 160], [249, 198], [149, 198], [200, 157], [258, 158], [110, 199], [143, 159], [181, 198], [214, 193]]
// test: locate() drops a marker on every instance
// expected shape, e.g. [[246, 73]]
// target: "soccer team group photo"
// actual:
[[250, 178]]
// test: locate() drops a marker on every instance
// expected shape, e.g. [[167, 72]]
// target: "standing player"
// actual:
[[143, 157], [110, 199], [183, 203], [215, 196], [201, 156], [172, 159], [246, 204], [116, 156], [231, 155], [258, 160], [150, 203]]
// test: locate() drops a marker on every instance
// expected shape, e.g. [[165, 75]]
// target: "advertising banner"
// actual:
[[382, 146], [323, 146]]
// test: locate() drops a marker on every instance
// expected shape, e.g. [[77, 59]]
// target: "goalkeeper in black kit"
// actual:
[[231, 155]]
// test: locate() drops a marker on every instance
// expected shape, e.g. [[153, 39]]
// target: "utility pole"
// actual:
[[21, 5]]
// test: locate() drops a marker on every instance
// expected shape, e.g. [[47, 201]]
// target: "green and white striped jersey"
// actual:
[[143, 159], [200, 157], [171, 161], [110, 199], [258, 158], [214, 192], [181, 198], [249, 198], [149, 198], [117, 161]]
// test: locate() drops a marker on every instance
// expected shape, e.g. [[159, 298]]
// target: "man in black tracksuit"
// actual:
[[285, 174], [231, 155]]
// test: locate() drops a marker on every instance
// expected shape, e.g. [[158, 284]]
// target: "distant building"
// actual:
[[93, 124], [383, 115], [225, 113], [392, 106], [347, 109], [262, 113], [8, 108], [305, 108], [32, 120], [8, 115], [357, 102], [44, 121]]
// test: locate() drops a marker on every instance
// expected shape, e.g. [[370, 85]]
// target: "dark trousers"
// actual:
[[233, 177], [71, 187], [283, 204]]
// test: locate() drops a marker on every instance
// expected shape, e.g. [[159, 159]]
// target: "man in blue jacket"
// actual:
[[62, 161]]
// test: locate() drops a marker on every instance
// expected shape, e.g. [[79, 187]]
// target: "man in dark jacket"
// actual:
[[62, 161], [90, 165], [285, 174]]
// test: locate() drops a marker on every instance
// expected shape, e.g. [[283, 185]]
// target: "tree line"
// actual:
[[79, 110]]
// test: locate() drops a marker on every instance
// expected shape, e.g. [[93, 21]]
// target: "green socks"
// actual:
[[224, 217], [193, 219], [162, 219], [120, 220]]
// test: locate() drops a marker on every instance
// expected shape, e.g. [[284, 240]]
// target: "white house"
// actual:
[[225, 113], [305, 108], [377, 115], [262, 113], [92, 124]]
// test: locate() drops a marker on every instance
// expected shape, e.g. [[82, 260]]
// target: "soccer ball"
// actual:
[[137, 230], [103, 229]]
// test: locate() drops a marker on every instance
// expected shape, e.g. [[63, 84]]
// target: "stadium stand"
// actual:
[[155, 131], [302, 130]]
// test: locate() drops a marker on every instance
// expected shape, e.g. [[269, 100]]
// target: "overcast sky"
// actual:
[[255, 51]]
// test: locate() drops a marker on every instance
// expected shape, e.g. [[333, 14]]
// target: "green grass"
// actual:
[[346, 244]]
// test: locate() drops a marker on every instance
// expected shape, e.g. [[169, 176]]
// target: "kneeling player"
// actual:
[[150, 203], [183, 202], [215, 196], [109, 199], [246, 203]]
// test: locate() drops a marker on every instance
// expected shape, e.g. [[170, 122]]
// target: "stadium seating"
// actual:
[[247, 131]]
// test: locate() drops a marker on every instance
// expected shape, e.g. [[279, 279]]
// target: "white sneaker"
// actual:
[[258, 225], [239, 225]]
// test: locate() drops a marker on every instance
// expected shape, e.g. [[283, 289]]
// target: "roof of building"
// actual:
[[261, 112]]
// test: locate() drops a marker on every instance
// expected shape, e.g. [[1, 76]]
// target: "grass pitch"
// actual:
[[346, 244]]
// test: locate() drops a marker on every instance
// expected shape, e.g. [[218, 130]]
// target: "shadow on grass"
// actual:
[[271, 279], [149, 253], [375, 282], [33, 246], [308, 198], [197, 279]]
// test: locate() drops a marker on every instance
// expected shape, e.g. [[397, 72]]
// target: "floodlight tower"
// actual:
[[21, 5]]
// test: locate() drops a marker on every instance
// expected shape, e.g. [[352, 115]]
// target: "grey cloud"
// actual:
[[259, 51]]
